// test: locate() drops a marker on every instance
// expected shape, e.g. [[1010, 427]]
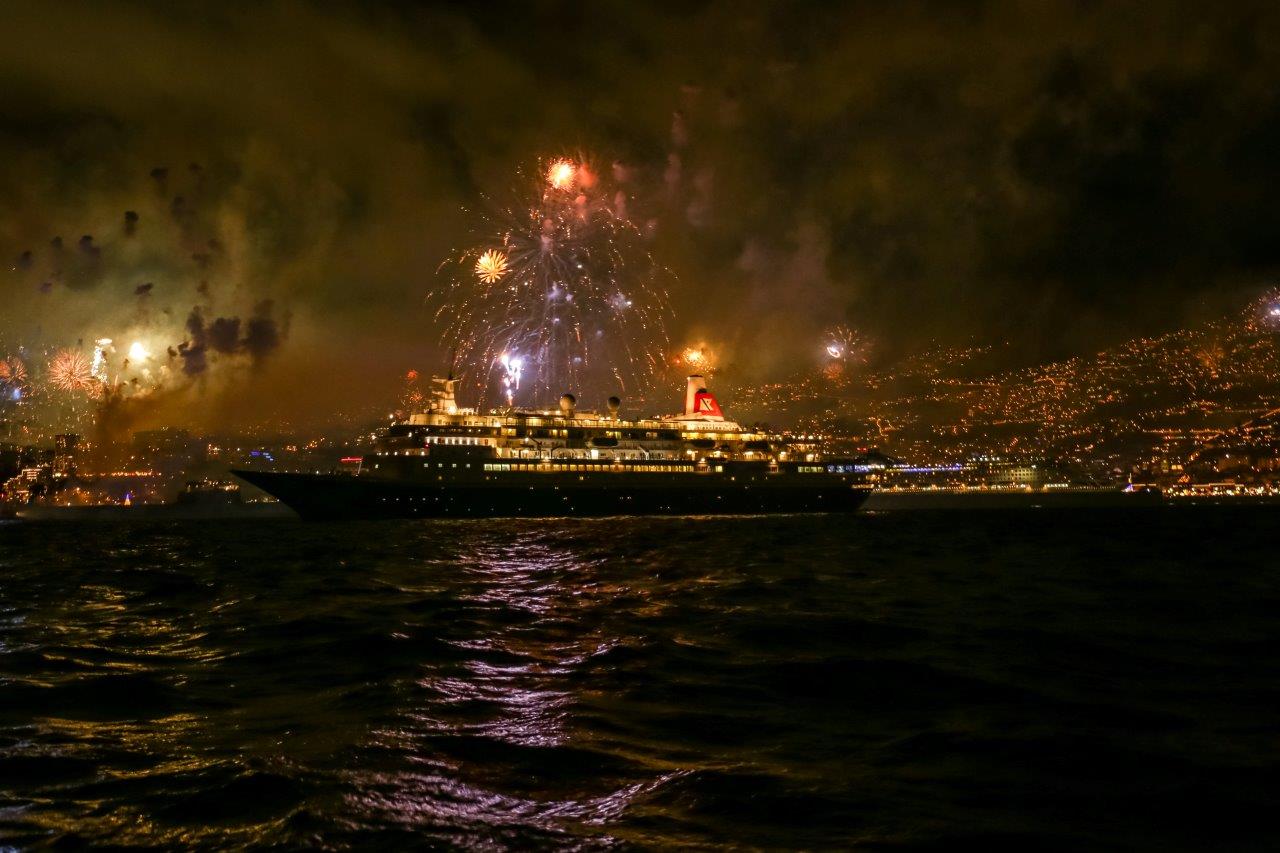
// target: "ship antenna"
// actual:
[[453, 359]]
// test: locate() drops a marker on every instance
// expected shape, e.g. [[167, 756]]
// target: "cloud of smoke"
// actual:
[[224, 334]]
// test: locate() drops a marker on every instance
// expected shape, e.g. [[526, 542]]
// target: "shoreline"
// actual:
[[879, 501]]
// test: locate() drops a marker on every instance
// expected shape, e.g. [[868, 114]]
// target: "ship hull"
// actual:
[[333, 496]]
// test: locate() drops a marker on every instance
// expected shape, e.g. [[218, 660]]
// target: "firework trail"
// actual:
[[70, 371], [557, 287]]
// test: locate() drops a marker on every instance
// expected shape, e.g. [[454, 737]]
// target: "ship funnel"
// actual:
[[697, 384], [614, 405], [700, 403], [567, 402]]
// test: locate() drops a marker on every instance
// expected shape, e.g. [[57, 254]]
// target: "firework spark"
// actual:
[[70, 371], [491, 266], [573, 290]]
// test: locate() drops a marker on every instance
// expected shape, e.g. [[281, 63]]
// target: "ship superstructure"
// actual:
[[700, 434]]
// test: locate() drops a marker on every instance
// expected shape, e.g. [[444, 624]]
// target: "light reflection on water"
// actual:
[[517, 686]]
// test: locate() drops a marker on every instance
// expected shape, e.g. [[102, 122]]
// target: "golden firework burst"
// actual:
[[71, 371], [491, 266]]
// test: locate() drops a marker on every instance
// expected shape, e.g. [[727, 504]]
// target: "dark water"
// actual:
[[1101, 679]]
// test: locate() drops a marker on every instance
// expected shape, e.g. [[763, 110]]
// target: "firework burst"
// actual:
[[561, 174], [560, 277], [843, 348], [843, 344], [13, 373], [70, 371], [491, 266], [1263, 313], [699, 358]]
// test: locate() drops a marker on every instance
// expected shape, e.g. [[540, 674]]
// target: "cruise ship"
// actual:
[[455, 461]]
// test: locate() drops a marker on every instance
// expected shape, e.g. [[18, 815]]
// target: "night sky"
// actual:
[[1060, 175]]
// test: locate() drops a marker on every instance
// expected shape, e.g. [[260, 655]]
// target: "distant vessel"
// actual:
[[199, 500], [452, 461]]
